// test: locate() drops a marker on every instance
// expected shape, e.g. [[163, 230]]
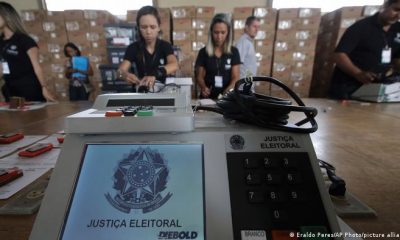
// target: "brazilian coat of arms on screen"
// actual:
[[140, 181]]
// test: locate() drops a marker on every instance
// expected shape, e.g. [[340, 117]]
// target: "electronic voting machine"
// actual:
[[164, 172]]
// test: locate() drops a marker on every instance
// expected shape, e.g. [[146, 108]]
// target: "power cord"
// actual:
[[338, 185], [262, 110]]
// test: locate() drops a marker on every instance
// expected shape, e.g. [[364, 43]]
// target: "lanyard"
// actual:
[[152, 59], [218, 65]]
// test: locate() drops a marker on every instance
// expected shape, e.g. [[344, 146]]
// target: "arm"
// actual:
[[200, 74], [172, 64], [235, 76], [123, 73], [33, 54], [343, 62], [170, 68]]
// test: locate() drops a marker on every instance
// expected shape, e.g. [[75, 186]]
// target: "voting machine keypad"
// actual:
[[275, 195]]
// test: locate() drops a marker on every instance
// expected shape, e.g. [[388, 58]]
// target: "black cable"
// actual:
[[265, 111]]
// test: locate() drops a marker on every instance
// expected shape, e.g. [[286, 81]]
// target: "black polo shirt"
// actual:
[[215, 66], [146, 63], [15, 52], [363, 42]]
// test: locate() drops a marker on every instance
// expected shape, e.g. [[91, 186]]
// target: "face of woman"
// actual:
[[71, 52], [219, 33], [149, 27]]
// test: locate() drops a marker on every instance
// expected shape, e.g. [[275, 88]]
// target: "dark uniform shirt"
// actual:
[[22, 80], [215, 66], [146, 63], [363, 42]]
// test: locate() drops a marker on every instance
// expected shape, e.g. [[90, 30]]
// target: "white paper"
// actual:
[[30, 175], [6, 149], [33, 168]]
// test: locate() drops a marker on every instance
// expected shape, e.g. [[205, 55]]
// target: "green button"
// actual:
[[314, 233], [145, 113]]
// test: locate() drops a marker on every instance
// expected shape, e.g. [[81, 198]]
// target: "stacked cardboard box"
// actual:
[[52, 30], [333, 25], [183, 37], [165, 18], [48, 30], [264, 44], [294, 49]]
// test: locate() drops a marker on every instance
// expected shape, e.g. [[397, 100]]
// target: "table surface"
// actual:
[[359, 139]]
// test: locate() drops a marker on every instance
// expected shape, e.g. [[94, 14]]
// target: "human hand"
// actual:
[[132, 78], [205, 92], [48, 95], [148, 81], [365, 77]]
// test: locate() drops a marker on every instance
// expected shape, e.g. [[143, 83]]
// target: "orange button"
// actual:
[[284, 235], [114, 113]]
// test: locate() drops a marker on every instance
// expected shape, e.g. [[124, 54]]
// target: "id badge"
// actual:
[[386, 55], [218, 82], [6, 69]]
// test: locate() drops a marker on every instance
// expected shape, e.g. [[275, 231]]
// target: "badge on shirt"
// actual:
[[228, 64], [386, 55], [4, 66], [218, 82]]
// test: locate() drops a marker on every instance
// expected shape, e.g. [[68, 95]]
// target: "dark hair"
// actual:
[[250, 20], [219, 18], [147, 10], [390, 2], [11, 18], [73, 46]]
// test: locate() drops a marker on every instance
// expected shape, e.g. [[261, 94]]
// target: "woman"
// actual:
[[154, 58], [19, 59], [79, 84], [218, 63]]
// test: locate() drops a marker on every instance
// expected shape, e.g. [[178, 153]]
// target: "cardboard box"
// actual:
[[284, 46], [165, 13], [71, 15], [309, 12], [288, 13], [265, 35], [183, 12], [182, 24], [59, 36], [131, 15], [201, 35], [311, 23], [183, 35], [53, 47], [239, 24], [265, 13], [285, 35], [201, 23], [55, 16], [287, 24], [370, 10], [242, 12], [33, 27], [185, 45], [77, 25], [32, 15], [205, 12], [267, 24], [51, 26], [264, 67], [237, 34], [264, 46], [350, 12]]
